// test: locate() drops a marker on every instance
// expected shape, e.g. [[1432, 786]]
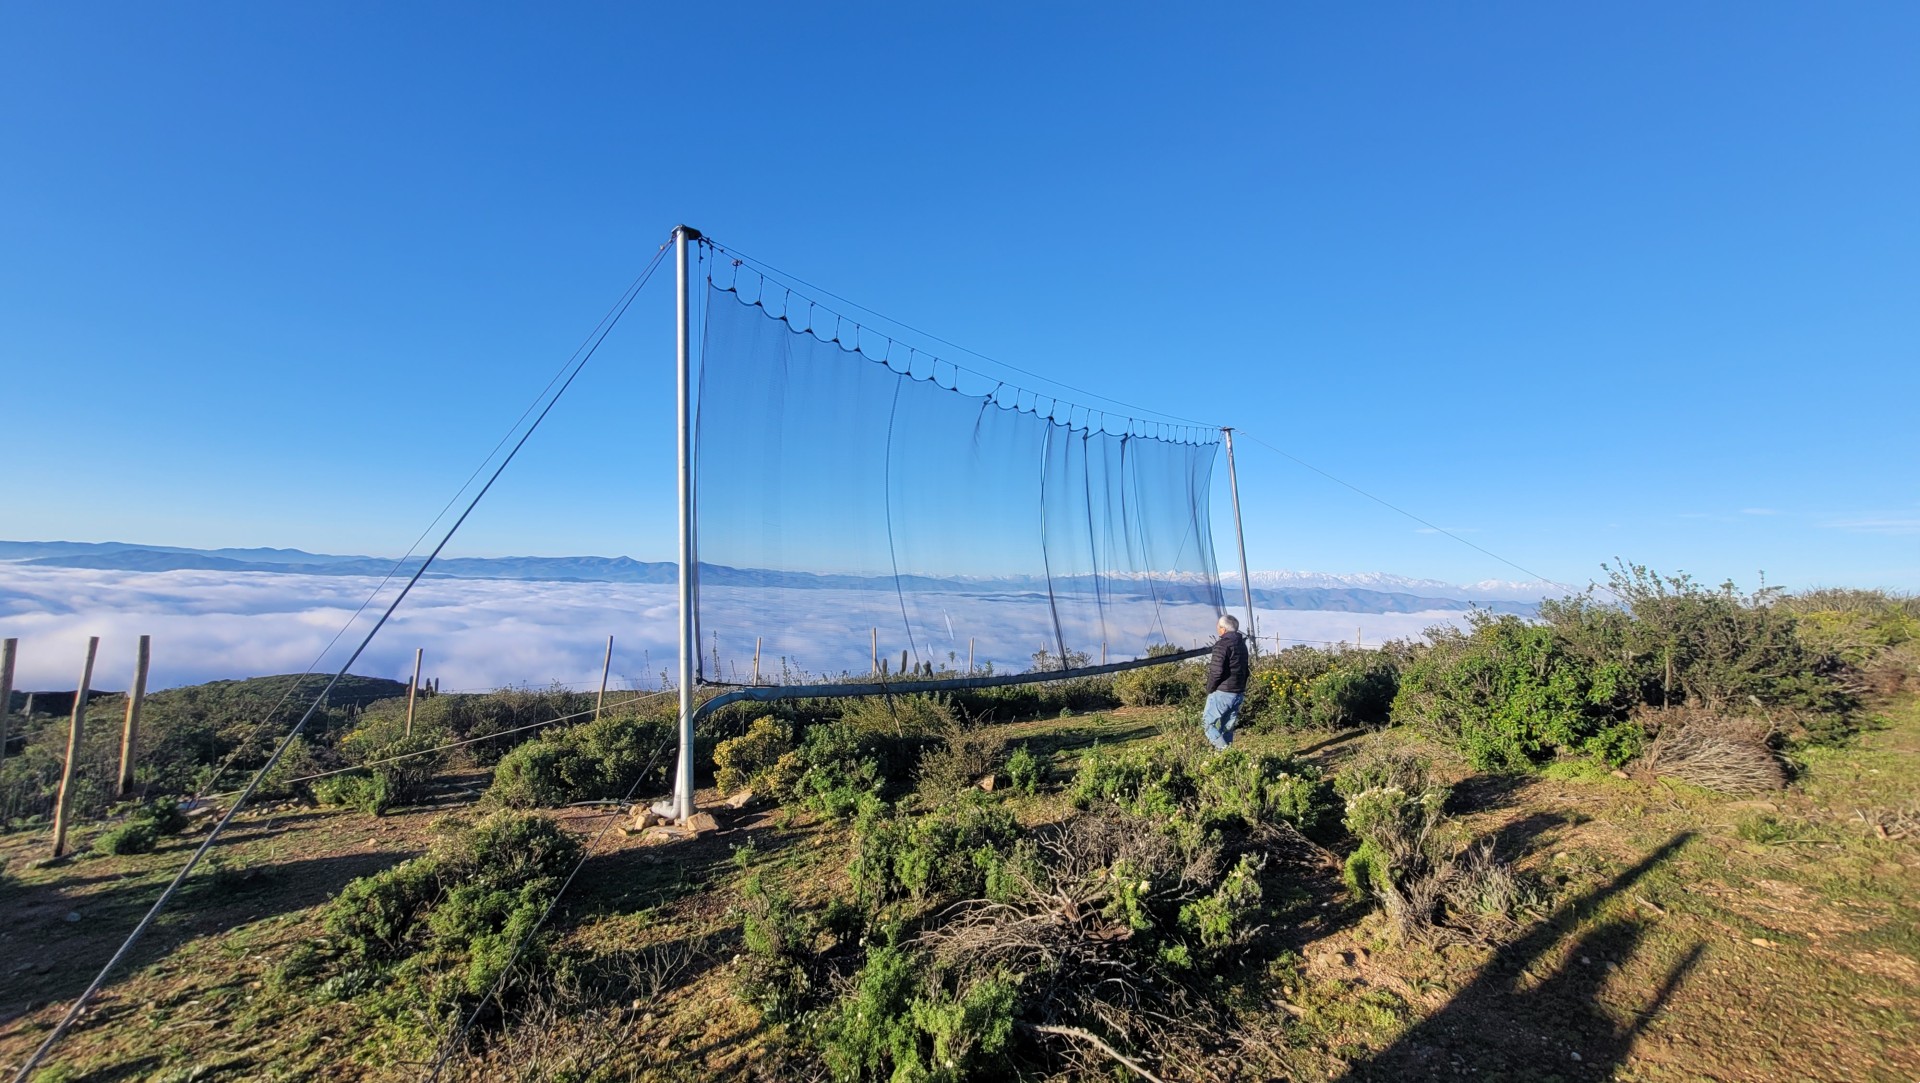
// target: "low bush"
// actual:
[[400, 767], [1666, 640], [962, 757], [448, 921], [775, 974], [1192, 792], [593, 760], [1510, 697], [752, 760], [142, 831], [838, 770], [131, 837], [1026, 772], [371, 794], [901, 1022], [1153, 686], [1414, 859], [1336, 688], [950, 852], [302, 758]]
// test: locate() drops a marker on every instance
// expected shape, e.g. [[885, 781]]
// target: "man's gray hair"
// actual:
[[1232, 622]]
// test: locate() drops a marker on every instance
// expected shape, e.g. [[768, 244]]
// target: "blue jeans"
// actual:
[[1217, 721]]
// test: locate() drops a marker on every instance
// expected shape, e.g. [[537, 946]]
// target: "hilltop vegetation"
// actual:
[[1427, 850]]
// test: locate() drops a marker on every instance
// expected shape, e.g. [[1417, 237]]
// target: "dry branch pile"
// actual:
[[1715, 751]]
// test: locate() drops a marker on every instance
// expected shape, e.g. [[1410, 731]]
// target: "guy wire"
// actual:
[[159, 904]]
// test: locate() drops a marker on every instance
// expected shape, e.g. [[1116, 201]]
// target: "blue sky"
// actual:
[[1631, 280]]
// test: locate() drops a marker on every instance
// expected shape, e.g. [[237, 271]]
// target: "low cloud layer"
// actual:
[[481, 634]]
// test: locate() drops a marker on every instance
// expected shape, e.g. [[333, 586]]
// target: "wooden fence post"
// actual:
[[414, 688], [605, 668], [8, 648], [130, 733], [903, 663], [876, 650], [75, 730]]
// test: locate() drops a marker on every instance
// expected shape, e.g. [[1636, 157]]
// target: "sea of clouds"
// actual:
[[487, 633]]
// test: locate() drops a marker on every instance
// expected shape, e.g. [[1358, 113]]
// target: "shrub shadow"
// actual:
[[1501, 1026], [51, 959]]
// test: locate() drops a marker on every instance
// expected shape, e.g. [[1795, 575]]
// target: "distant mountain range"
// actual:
[[1370, 592]]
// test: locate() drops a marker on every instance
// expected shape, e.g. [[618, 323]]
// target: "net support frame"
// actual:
[[1240, 537], [770, 693], [680, 808]]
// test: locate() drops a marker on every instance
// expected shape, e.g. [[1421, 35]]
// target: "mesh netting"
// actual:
[[858, 499]]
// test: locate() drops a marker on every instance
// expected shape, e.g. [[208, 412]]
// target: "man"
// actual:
[[1227, 672]]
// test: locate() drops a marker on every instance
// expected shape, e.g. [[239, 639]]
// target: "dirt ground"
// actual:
[[1682, 936]]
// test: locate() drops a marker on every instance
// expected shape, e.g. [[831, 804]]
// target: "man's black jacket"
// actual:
[[1227, 668]]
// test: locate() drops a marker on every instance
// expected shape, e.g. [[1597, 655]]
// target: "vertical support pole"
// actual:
[[8, 648], [1246, 581], [876, 650], [136, 698], [969, 656], [756, 659], [413, 689], [606, 667], [683, 238], [76, 731]]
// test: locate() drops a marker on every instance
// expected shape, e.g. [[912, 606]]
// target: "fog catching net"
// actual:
[[859, 499]]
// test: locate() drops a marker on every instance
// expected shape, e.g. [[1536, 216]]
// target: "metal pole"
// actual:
[[606, 667], [683, 237], [130, 732], [1246, 581]]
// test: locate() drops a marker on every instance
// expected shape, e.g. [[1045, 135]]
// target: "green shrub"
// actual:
[[1166, 785], [401, 766], [164, 814], [1025, 771], [1510, 697], [752, 761], [131, 837], [962, 757], [1669, 640], [774, 974], [460, 909], [1357, 691], [900, 716], [1247, 789], [1219, 919], [839, 769], [150, 821], [1153, 686], [302, 758], [1413, 858], [586, 762], [946, 853], [899, 1024], [1399, 842], [371, 794]]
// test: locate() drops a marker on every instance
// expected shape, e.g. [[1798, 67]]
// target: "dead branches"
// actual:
[[1717, 752]]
